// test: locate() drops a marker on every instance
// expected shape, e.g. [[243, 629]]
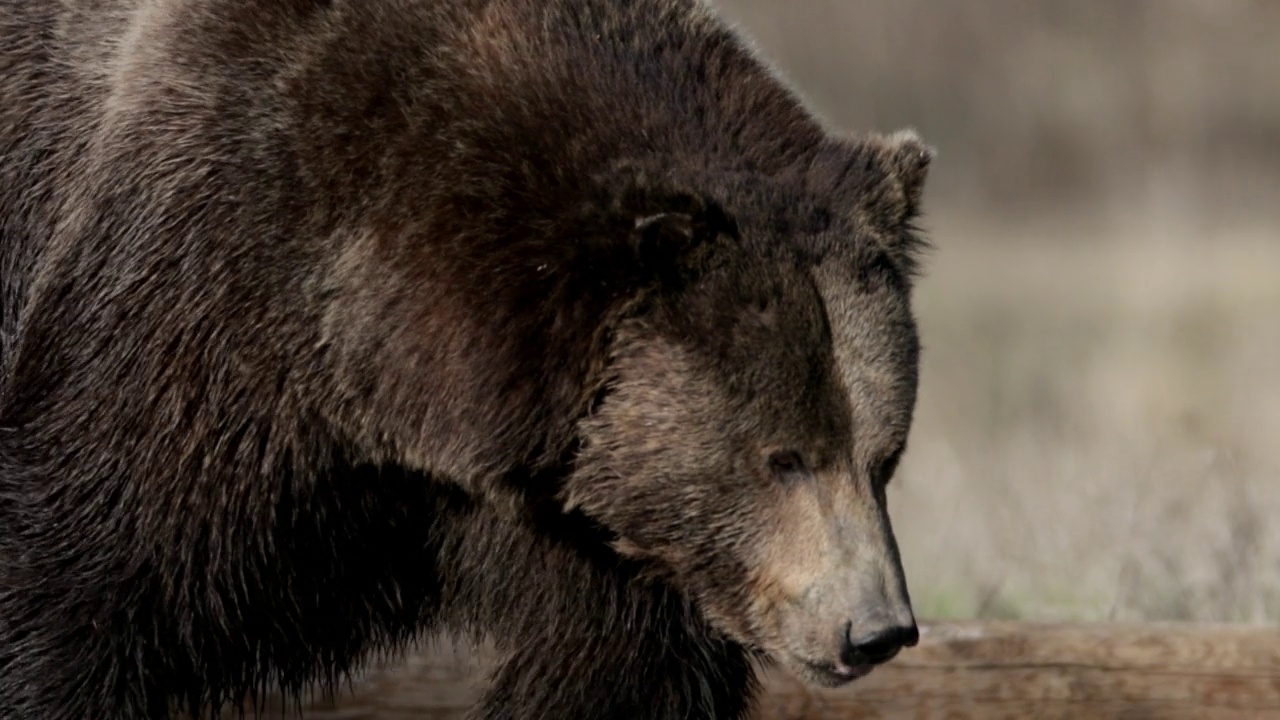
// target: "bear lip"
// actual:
[[828, 674]]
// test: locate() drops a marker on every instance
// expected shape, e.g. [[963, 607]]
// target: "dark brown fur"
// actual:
[[324, 325]]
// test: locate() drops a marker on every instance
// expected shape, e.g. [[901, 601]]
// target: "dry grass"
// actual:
[[1099, 428]]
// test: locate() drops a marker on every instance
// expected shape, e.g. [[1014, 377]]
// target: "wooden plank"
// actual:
[[960, 670], [1013, 670]]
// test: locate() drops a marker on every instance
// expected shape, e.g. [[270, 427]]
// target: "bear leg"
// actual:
[[582, 634], [97, 622]]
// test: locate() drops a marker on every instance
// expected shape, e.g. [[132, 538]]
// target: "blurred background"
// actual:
[[1098, 435]]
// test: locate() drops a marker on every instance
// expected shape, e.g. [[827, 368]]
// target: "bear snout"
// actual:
[[855, 649]]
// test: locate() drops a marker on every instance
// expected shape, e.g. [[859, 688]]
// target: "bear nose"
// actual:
[[878, 647]]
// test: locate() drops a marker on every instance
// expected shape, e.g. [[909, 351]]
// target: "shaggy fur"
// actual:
[[325, 324]]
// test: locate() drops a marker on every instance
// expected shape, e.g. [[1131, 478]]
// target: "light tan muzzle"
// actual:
[[833, 582]]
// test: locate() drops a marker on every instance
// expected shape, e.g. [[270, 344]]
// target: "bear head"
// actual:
[[757, 398]]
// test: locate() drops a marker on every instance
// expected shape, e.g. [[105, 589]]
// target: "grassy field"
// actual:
[[1097, 431], [1099, 426]]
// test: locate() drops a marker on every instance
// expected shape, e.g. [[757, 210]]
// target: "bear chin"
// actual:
[[826, 674]]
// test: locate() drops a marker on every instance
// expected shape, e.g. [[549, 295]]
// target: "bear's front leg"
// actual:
[[646, 657], [582, 635]]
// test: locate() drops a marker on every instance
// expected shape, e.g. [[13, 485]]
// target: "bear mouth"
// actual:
[[832, 675]]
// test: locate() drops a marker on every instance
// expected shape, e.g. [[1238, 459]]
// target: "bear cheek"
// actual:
[[722, 589]]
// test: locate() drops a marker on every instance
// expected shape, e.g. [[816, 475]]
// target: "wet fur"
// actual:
[[303, 304]]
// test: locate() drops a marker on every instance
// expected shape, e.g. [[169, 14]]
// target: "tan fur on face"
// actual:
[[825, 548]]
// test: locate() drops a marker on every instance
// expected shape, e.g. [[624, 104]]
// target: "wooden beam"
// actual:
[[960, 670], [1018, 670]]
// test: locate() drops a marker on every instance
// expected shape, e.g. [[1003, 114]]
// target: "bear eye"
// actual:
[[787, 464]]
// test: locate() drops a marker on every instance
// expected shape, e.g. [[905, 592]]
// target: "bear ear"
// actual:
[[880, 178], [673, 233], [908, 159], [669, 228]]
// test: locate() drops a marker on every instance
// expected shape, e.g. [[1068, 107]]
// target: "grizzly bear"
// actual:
[[329, 325]]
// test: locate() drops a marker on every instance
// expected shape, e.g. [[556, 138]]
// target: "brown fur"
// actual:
[[327, 324]]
